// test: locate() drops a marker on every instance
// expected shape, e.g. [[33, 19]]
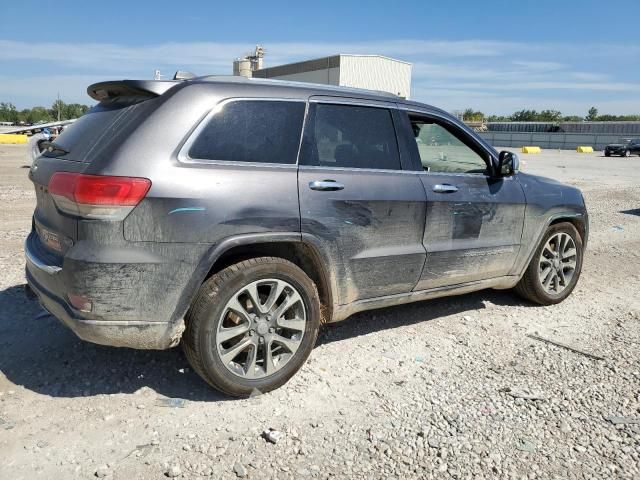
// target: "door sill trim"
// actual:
[[342, 312]]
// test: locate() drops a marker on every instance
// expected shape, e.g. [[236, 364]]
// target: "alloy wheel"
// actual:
[[261, 328], [557, 263]]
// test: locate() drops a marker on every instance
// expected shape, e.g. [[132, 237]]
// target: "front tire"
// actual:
[[555, 267], [252, 326]]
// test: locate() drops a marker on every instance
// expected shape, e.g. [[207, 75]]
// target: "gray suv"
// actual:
[[240, 215]]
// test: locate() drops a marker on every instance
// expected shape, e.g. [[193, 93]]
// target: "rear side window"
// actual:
[[350, 136], [102, 129], [260, 131]]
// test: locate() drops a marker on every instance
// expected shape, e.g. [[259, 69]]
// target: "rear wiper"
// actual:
[[53, 147]]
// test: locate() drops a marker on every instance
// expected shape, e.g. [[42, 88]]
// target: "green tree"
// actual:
[[39, 115], [549, 116], [524, 116], [57, 110], [74, 110], [592, 115], [471, 115], [8, 112]]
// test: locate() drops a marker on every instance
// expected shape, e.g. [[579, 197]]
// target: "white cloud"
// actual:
[[504, 76]]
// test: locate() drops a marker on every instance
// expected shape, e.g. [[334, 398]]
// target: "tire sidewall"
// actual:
[[213, 365], [551, 231]]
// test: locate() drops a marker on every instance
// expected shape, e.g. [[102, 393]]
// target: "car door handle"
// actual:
[[444, 188], [325, 185]]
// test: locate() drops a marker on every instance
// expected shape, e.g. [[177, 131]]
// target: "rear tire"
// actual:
[[627, 153], [538, 281], [274, 334], [607, 154]]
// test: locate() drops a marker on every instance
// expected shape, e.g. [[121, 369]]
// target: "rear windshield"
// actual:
[[101, 127]]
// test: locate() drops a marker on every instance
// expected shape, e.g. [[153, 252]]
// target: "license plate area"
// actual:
[[52, 240]]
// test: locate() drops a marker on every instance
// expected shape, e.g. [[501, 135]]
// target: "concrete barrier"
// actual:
[[530, 149], [584, 149], [12, 138]]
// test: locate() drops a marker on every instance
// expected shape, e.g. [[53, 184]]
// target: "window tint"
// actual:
[[352, 137], [102, 130], [252, 131], [441, 151]]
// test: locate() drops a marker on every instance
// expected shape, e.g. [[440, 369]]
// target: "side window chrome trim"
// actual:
[[183, 153], [354, 169], [356, 102]]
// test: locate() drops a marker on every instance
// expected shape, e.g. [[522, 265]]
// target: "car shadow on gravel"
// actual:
[[634, 211], [41, 354], [404, 315]]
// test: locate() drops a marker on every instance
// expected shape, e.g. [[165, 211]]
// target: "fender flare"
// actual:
[[216, 251], [568, 215]]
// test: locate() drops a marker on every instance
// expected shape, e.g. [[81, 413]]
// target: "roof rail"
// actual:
[[291, 83]]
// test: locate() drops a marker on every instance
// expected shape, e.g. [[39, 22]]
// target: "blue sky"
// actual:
[[496, 56]]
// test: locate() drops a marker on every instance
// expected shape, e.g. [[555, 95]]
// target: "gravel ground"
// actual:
[[451, 388]]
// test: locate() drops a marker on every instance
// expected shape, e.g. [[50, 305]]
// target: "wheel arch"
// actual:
[[289, 246], [579, 220]]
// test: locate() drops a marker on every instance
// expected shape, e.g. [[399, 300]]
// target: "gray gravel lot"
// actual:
[[451, 388]]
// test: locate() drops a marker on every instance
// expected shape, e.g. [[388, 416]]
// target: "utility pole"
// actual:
[[58, 106]]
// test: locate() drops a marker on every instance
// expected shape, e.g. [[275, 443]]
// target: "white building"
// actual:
[[373, 72]]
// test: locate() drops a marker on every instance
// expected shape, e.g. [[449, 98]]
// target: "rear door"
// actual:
[[357, 202], [474, 220]]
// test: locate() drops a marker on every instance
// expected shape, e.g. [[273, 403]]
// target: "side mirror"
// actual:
[[508, 164]]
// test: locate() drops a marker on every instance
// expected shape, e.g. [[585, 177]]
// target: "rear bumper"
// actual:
[[48, 282]]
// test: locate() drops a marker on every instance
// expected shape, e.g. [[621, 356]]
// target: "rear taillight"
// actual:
[[97, 196]]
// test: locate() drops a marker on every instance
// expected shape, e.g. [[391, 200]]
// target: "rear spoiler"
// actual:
[[136, 89]]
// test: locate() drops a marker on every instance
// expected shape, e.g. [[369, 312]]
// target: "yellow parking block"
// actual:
[[531, 149], [583, 149], [12, 138]]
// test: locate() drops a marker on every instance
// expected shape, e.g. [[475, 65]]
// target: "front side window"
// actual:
[[442, 151], [350, 136], [260, 131]]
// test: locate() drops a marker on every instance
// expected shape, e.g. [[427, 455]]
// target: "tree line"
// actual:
[[58, 111], [551, 116]]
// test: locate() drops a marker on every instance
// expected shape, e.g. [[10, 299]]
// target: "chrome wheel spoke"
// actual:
[[232, 352], [226, 334], [288, 302], [547, 282], [250, 368], [276, 291], [298, 324], [562, 277], [288, 343], [269, 367], [252, 291], [239, 309]]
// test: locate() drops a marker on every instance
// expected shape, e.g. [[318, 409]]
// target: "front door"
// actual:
[[366, 213], [474, 220]]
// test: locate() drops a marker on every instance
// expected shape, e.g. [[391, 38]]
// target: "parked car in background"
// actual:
[[239, 215], [625, 148]]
